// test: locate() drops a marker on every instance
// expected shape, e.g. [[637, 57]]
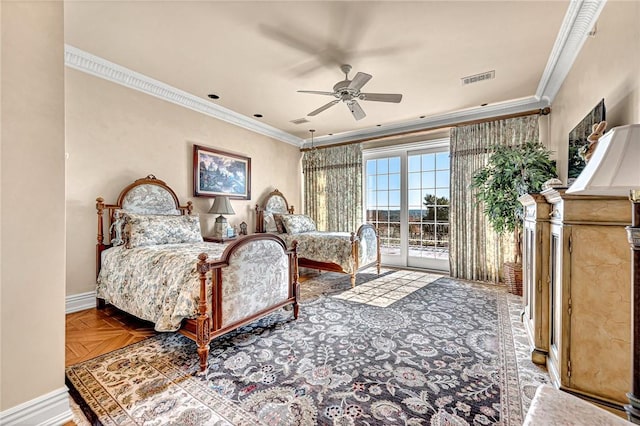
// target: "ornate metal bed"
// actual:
[[327, 251], [156, 268]]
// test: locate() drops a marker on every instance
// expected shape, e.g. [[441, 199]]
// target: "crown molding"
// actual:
[[579, 20], [100, 67]]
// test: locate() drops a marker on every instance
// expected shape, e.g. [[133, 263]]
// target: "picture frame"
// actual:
[[217, 172]]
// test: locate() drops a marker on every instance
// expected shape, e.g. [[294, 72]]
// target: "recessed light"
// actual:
[[378, 125], [422, 116], [330, 134], [213, 96], [257, 115], [485, 104]]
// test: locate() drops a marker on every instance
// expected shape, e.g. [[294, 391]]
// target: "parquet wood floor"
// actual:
[[95, 332]]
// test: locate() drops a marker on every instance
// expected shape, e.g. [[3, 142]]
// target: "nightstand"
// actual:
[[219, 240]]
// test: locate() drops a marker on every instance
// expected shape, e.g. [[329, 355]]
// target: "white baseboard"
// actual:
[[51, 409], [80, 302]]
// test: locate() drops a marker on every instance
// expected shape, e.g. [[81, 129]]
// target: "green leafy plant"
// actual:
[[511, 172]]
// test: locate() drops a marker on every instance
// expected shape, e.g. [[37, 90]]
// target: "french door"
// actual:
[[407, 199]]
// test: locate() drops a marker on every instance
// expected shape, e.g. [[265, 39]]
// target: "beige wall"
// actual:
[[608, 67], [116, 135], [32, 194]]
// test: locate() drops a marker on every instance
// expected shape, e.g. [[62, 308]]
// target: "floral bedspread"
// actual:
[[332, 247], [157, 283]]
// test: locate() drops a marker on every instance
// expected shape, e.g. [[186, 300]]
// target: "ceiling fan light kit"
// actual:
[[348, 91]]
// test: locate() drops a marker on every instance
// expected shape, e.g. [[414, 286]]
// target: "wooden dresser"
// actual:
[[535, 274], [590, 292]]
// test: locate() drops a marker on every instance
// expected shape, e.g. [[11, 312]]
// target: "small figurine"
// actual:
[[243, 228], [116, 229], [596, 133]]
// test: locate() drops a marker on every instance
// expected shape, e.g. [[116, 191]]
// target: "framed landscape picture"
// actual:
[[217, 172]]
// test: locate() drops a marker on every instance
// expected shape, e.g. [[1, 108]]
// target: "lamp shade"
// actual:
[[614, 168], [221, 205]]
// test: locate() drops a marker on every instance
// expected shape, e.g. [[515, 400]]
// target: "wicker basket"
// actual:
[[513, 277]]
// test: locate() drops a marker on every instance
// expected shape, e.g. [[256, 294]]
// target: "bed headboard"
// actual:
[[148, 195], [274, 202]]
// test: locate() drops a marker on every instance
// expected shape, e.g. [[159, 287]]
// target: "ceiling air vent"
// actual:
[[489, 75], [300, 121]]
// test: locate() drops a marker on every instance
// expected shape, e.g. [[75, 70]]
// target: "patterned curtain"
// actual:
[[333, 187], [476, 252]]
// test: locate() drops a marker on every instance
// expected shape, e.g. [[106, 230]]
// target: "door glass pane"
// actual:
[[394, 199], [414, 164], [394, 181], [383, 166], [394, 165], [428, 161], [442, 196], [414, 180], [442, 178], [429, 206], [428, 180], [382, 181], [415, 199], [371, 168], [383, 201], [442, 161]]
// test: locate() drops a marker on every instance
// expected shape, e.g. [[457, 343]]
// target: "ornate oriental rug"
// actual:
[[442, 352]]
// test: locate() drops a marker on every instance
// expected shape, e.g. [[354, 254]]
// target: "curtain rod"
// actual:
[[540, 111]]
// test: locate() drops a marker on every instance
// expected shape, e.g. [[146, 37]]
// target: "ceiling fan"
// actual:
[[348, 91]]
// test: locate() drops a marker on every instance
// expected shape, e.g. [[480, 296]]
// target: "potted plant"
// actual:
[[511, 172]]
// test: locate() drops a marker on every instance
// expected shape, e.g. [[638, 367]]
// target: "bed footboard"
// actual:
[[255, 276], [368, 248]]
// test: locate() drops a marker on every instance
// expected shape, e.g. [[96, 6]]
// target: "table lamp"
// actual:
[[221, 205]]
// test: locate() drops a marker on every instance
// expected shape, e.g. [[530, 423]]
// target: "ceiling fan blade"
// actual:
[[359, 80], [381, 97], [356, 110], [323, 107], [315, 92], [291, 38]]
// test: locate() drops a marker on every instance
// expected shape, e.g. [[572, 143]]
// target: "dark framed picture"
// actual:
[[217, 172]]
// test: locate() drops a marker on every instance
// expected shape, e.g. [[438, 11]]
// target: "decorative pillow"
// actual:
[[298, 223], [270, 223], [279, 225], [146, 230]]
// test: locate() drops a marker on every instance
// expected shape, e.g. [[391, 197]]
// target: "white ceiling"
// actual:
[[256, 55]]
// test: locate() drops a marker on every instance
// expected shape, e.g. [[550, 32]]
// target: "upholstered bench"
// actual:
[[551, 406]]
